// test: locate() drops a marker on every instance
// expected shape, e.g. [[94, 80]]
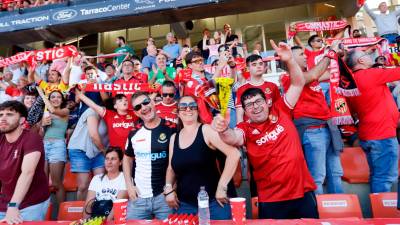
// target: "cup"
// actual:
[[119, 207], [238, 206]]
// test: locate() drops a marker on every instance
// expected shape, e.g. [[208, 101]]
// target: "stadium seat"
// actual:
[[49, 212], [69, 182], [384, 205], [355, 165], [254, 207], [70, 211], [338, 206]]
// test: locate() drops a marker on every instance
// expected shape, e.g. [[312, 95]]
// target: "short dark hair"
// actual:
[[189, 57], [251, 92], [311, 39], [15, 106], [89, 68], [296, 47], [168, 83], [118, 97], [138, 94], [225, 46], [127, 60], [252, 58], [122, 39], [109, 64]]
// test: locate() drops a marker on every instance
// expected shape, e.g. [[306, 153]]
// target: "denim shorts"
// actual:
[[80, 163], [55, 150], [145, 208], [32, 213]]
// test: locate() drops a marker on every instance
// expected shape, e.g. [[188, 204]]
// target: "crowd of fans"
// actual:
[[15, 5], [158, 149]]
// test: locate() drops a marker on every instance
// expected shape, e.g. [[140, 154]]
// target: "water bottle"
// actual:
[[204, 210]]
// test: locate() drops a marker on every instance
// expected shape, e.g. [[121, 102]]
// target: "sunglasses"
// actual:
[[171, 95], [139, 106], [185, 106]]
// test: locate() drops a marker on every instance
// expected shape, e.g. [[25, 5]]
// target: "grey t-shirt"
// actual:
[[80, 138]]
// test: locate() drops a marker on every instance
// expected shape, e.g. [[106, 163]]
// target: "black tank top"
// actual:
[[195, 166]]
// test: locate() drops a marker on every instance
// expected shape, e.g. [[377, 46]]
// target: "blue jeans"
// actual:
[[325, 91], [216, 211], [55, 150], [322, 161], [145, 208], [32, 213], [382, 156]]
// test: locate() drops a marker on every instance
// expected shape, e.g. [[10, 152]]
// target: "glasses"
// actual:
[[171, 95], [136, 64], [139, 106], [257, 102], [184, 106]]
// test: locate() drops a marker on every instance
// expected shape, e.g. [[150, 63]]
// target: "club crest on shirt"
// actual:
[[268, 91], [128, 117], [273, 118], [162, 138], [175, 111]]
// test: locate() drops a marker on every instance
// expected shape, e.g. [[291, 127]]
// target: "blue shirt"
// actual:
[[148, 62], [172, 50]]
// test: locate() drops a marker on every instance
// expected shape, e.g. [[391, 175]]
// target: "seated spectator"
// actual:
[[195, 157], [24, 185], [162, 73], [356, 33], [171, 49], [101, 63], [106, 187], [149, 41], [55, 123], [110, 71]]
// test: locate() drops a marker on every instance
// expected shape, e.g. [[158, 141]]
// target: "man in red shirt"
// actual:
[[378, 117], [24, 193], [119, 122], [167, 108], [256, 68], [321, 139], [285, 187]]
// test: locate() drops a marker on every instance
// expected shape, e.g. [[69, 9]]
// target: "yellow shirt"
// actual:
[[48, 88]]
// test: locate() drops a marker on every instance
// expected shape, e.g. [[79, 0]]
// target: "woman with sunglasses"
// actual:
[[192, 164]]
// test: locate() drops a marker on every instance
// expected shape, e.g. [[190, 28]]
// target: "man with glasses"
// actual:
[[146, 160], [256, 68], [119, 122], [284, 184], [166, 109], [378, 118]]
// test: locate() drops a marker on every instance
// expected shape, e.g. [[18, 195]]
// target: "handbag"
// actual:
[[101, 208]]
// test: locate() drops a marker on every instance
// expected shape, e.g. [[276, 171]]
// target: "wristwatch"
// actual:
[[12, 205]]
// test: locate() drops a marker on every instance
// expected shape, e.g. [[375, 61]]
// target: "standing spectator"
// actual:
[[212, 47], [193, 156], [86, 147], [357, 33], [55, 125], [146, 160], [204, 52], [24, 185], [386, 23], [149, 41], [149, 61], [42, 70], [180, 63], [256, 67], [321, 140], [284, 185], [227, 34], [137, 74], [162, 73], [110, 71], [18, 70], [378, 118], [171, 49], [101, 63], [122, 48], [108, 186], [166, 109], [119, 122]]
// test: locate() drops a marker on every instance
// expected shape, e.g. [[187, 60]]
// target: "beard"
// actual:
[[9, 129]]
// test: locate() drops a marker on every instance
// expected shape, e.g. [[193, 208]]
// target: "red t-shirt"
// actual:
[[118, 126], [375, 107], [274, 150], [11, 157], [311, 103], [168, 112], [313, 57], [270, 89]]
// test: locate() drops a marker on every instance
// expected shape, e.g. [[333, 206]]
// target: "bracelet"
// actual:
[[166, 194]]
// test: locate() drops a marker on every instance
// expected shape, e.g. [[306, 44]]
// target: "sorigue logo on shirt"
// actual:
[[151, 156], [123, 124], [271, 136]]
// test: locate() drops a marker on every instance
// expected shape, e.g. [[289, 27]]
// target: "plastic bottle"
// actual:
[[204, 210]]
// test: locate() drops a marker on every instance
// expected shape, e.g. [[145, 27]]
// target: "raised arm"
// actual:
[[98, 109], [67, 71], [297, 80], [369, 11], [32, 75], [227, 135], [59, 112], [205, 46]]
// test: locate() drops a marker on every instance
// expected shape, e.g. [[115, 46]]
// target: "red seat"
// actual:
[[69, 182], [254, 207], [70, 211], [355, 165], [49, 212], [384, 205], [338, 206]]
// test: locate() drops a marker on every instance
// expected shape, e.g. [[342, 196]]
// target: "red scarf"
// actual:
[[318, 26], [357, 42], [126, 89]]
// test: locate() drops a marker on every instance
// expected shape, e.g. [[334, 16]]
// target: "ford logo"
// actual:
[[65, 14]]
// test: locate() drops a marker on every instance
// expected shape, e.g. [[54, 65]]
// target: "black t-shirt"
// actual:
[[149, 147]]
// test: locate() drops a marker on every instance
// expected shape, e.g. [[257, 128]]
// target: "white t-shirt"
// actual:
[[107, 189]]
